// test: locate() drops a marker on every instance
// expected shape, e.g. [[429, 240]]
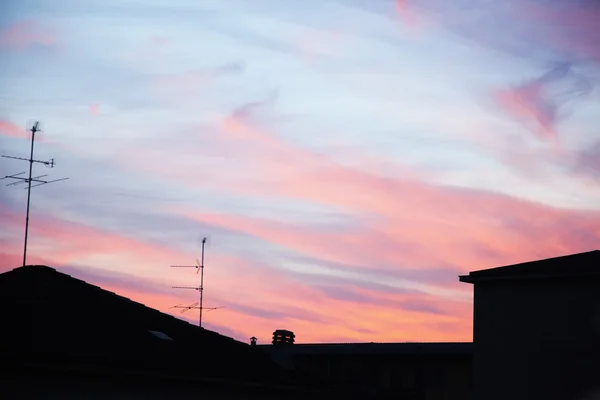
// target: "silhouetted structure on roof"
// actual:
[[58, 330], [536, 329], [281, 336]]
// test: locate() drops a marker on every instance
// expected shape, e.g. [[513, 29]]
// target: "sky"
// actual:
[[347, 159]]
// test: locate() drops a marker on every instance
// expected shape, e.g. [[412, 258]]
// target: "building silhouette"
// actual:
[[536, 336], [384, 370], [64, 338], [536, 329]]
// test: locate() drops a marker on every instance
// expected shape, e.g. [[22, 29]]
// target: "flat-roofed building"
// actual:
[[536, 329]]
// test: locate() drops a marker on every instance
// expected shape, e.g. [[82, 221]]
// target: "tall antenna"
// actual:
[[199, 268], [50, 164]]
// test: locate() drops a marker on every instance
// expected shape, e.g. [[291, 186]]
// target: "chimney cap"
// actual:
[[283, 336]]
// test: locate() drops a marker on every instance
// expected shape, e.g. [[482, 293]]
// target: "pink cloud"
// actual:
[[405, 13], [401, 220], [258, 297], [22, 35], [95, 109], [9, 129], [400, 225], [427, 224], [536, 102]]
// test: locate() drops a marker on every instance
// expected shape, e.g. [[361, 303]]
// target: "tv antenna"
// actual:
[[199, 268], [38, 182]]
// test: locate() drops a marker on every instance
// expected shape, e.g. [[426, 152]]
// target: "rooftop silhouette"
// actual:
[[580, 264]]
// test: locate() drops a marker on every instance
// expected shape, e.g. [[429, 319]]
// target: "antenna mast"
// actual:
[[50, 164], [199, 268]]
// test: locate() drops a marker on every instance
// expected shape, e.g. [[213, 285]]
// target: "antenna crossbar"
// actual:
[[186, 287], [195, 307], [49, 164]]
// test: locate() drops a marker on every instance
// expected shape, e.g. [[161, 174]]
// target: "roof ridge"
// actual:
[[30, 266]]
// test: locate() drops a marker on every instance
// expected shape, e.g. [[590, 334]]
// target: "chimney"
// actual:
[[282, 337], [252, 341]]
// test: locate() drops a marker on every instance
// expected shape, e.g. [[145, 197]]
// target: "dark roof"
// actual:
[[374, 348], [49, 316], [582, 264]]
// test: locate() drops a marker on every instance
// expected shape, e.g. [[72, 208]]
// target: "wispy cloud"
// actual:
[[7, 128], [24, 35], [540, 100], [275, 298], [193, 80]]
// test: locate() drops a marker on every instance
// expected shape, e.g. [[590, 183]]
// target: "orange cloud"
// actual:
[[258, 298], [65, 242]]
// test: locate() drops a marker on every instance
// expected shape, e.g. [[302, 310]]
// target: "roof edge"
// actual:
[[568, 265], [367, 343], [29, 266], [476, 279]]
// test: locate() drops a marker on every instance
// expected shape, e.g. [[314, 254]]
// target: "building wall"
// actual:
[[536, 339], [64, 386], [407, 376]]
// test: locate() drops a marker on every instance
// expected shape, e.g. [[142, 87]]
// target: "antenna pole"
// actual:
[[201, 282], [35, 128], [199, 269]]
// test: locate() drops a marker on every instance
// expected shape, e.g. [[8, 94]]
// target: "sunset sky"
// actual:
[[348, 159]]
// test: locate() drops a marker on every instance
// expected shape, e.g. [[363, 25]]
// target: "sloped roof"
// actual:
[[49, 315], [581, 264]]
